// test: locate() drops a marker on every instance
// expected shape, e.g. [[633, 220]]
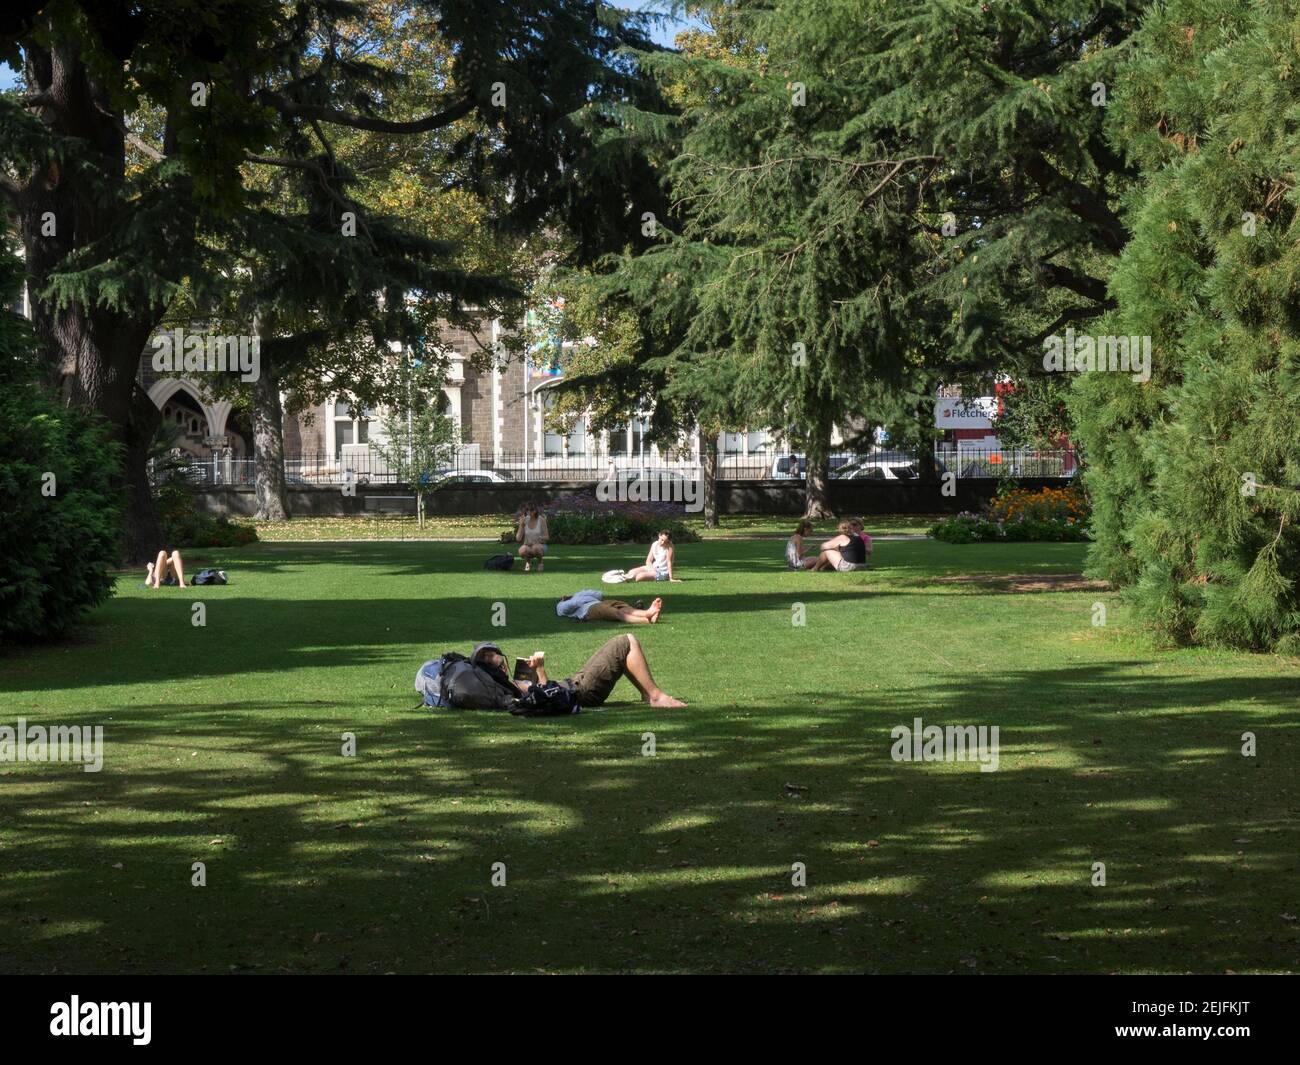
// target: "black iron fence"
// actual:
[[471, 467]]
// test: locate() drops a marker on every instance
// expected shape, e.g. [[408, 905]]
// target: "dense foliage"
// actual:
[[60, 521], [1194, 474]]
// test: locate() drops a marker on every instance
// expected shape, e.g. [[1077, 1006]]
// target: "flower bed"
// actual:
[[1018, 514]]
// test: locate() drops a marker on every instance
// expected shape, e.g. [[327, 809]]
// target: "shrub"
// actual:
[[971, 529], [57, 544], [1020, 514], [184, 525], [587, 520]]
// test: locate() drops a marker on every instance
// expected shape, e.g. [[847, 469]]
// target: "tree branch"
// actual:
[[336, 117]]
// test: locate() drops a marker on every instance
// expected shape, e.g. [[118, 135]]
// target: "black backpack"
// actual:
[[499, 562], [467, 685], [547, 700]]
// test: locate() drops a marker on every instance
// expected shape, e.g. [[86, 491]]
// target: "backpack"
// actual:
[[547, 700], [499, 562], [210, 576], [428, 682], [466, 685]]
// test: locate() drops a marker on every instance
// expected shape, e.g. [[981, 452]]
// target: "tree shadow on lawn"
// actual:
[[680, 861], [251, 635]]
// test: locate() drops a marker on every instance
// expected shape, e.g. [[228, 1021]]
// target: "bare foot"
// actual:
[[656, 608], [662, 699]]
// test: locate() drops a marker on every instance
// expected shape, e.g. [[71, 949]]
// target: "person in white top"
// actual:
[[658, 561], [532, 535]]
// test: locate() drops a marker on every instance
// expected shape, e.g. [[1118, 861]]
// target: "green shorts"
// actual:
[[598, 675]]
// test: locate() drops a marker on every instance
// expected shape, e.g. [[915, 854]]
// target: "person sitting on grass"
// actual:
[[532, 535], [157, 573], [658, 561], [843, 552], [794, 551], [591, 605], [618, 657], [860, 532]]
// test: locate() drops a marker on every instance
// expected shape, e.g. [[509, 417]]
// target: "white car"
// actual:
[[470, 478]]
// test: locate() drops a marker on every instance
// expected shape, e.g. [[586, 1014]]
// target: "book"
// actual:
[[523, 671]]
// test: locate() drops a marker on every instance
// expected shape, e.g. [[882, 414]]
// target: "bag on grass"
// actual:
[[499, 562], [547, 700], [465, 684], [428, 682], [210, 576], [614, 576]]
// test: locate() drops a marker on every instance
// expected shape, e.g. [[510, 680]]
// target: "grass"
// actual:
[[224, 746], [478, 526]]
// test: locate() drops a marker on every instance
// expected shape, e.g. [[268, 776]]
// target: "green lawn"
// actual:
[[224, 747]]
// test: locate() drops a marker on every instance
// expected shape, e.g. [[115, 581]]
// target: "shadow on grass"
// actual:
[[616, 860]]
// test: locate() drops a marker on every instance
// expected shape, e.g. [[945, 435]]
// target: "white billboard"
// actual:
[[974, 413]]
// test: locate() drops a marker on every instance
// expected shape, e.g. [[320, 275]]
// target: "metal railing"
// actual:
[[369, 467]]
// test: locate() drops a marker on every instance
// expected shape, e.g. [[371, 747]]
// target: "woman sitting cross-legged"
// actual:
[[843, 552]]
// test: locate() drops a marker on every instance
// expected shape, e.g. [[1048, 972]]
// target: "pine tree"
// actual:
[[1195, 475]]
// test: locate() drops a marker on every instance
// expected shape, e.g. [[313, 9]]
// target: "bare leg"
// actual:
[[641, 617], [638, 672], [180, 569], [160, 568], [641, 573]]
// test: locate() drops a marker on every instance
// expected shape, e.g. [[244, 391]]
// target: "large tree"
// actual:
[[1195, 474], [113, 220]]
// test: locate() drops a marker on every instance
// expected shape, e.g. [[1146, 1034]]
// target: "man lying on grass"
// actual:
[[591, 605], [619, 657]]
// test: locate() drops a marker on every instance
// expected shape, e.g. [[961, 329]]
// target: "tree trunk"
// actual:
[[268, 443], [92, 353], [709, 456], [817, 505]]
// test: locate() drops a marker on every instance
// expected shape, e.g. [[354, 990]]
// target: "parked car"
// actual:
[[795, 467], [469, 478]]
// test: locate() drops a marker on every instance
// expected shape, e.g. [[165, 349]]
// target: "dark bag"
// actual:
[[210, 576], [499, 562], [547, 700], [466, 685]]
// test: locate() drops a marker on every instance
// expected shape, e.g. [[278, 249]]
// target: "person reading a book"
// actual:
[[618, 657]]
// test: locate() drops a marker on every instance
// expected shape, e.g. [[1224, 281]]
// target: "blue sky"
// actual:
[[663, 34]]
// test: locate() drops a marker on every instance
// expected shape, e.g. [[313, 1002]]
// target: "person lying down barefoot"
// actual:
[[591, 605], [620, 656]]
